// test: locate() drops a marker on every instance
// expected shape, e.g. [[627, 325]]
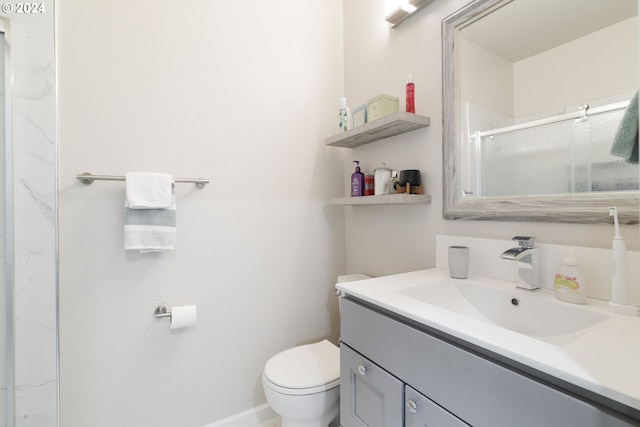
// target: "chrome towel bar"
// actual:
[[88, 178]]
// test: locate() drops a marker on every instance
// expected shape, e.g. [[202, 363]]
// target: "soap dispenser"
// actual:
[[357, 181], [570, 285], [619, 288]]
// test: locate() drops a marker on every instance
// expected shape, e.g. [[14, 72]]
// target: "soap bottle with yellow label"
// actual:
[[570, 285]]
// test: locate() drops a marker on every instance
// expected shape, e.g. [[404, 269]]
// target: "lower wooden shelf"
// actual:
[[385, 199]]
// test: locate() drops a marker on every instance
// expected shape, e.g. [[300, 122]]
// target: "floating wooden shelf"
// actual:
[[385, 199], [393, 124]]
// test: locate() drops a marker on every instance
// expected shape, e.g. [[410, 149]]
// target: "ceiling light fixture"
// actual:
[[419, 3], [399, 14], [404, 11]]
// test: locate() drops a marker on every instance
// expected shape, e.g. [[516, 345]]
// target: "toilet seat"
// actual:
[[306, 369]]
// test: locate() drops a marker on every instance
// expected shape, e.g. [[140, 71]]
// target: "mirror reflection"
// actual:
[[536, 92]]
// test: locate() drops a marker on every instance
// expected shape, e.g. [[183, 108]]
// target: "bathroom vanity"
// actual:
[[416, 352]]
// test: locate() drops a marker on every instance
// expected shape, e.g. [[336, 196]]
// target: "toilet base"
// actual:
[[310, 410]]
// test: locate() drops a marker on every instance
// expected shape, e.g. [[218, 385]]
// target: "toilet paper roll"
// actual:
[[183, 316]]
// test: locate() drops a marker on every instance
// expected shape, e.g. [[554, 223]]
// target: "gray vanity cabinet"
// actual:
[[395, 373], [369, 395], [422, 412]]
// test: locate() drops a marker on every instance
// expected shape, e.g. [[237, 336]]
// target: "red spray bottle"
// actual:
[[410, 88]]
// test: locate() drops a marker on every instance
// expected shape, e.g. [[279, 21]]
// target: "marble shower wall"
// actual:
[[35, 218]]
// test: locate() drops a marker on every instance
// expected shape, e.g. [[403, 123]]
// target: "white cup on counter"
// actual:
[[458, 262]]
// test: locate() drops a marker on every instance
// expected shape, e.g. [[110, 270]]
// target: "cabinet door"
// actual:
[[422, 412], [369, 395]]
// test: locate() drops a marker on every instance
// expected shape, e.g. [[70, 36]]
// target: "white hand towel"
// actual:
[[148, 190], [150, 213]]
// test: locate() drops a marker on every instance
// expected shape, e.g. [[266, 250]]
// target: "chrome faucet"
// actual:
[[527, 257]]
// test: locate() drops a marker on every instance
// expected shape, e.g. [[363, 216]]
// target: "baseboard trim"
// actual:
[[253, 417]]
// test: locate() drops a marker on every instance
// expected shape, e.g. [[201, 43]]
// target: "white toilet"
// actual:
[[302, 384]]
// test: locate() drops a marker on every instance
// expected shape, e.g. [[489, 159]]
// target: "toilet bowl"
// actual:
[[302, 384]]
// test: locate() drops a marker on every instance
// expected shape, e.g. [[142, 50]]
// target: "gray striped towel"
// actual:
[[150, 230]]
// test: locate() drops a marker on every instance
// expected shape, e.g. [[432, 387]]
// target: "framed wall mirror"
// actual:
[[534, 94]]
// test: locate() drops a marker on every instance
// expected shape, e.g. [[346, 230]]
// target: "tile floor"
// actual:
[[273, 422]]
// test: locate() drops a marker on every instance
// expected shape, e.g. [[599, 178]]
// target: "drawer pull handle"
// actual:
[[362, 370], [412, 406]]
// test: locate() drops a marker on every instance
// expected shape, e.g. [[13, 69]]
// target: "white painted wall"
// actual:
[[577, 77], [387, 239], [242, 93], [522, 88], [486, 79]]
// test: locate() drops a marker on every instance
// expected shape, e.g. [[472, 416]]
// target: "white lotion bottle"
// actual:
[[570, 285], [343, 115], [619, 290]]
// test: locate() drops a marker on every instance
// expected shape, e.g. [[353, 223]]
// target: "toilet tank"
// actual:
[[351, 278], [348, 278]]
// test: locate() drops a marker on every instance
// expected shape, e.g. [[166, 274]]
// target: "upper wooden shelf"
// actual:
[[384, 199], [393, 124]]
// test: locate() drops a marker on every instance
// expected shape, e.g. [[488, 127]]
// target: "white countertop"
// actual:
[[604, 359]]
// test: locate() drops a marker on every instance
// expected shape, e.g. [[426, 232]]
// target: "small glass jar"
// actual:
[[381, 179]]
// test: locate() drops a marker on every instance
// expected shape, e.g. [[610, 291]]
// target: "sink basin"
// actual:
[[536, 314]]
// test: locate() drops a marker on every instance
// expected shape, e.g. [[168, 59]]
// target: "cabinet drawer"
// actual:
[[422, 412], [369, 395]]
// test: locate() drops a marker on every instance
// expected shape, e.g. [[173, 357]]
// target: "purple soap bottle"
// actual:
[[357, 181]]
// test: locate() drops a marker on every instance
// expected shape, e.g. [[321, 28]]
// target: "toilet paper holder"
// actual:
[[181, 316], [161, 311]]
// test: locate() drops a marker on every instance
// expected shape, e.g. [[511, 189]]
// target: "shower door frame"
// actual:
[[5, 26]]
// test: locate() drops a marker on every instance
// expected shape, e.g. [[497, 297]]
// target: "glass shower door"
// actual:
[[30, 218]]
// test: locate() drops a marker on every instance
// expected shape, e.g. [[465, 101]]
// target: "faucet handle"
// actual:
[[525, 241]]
